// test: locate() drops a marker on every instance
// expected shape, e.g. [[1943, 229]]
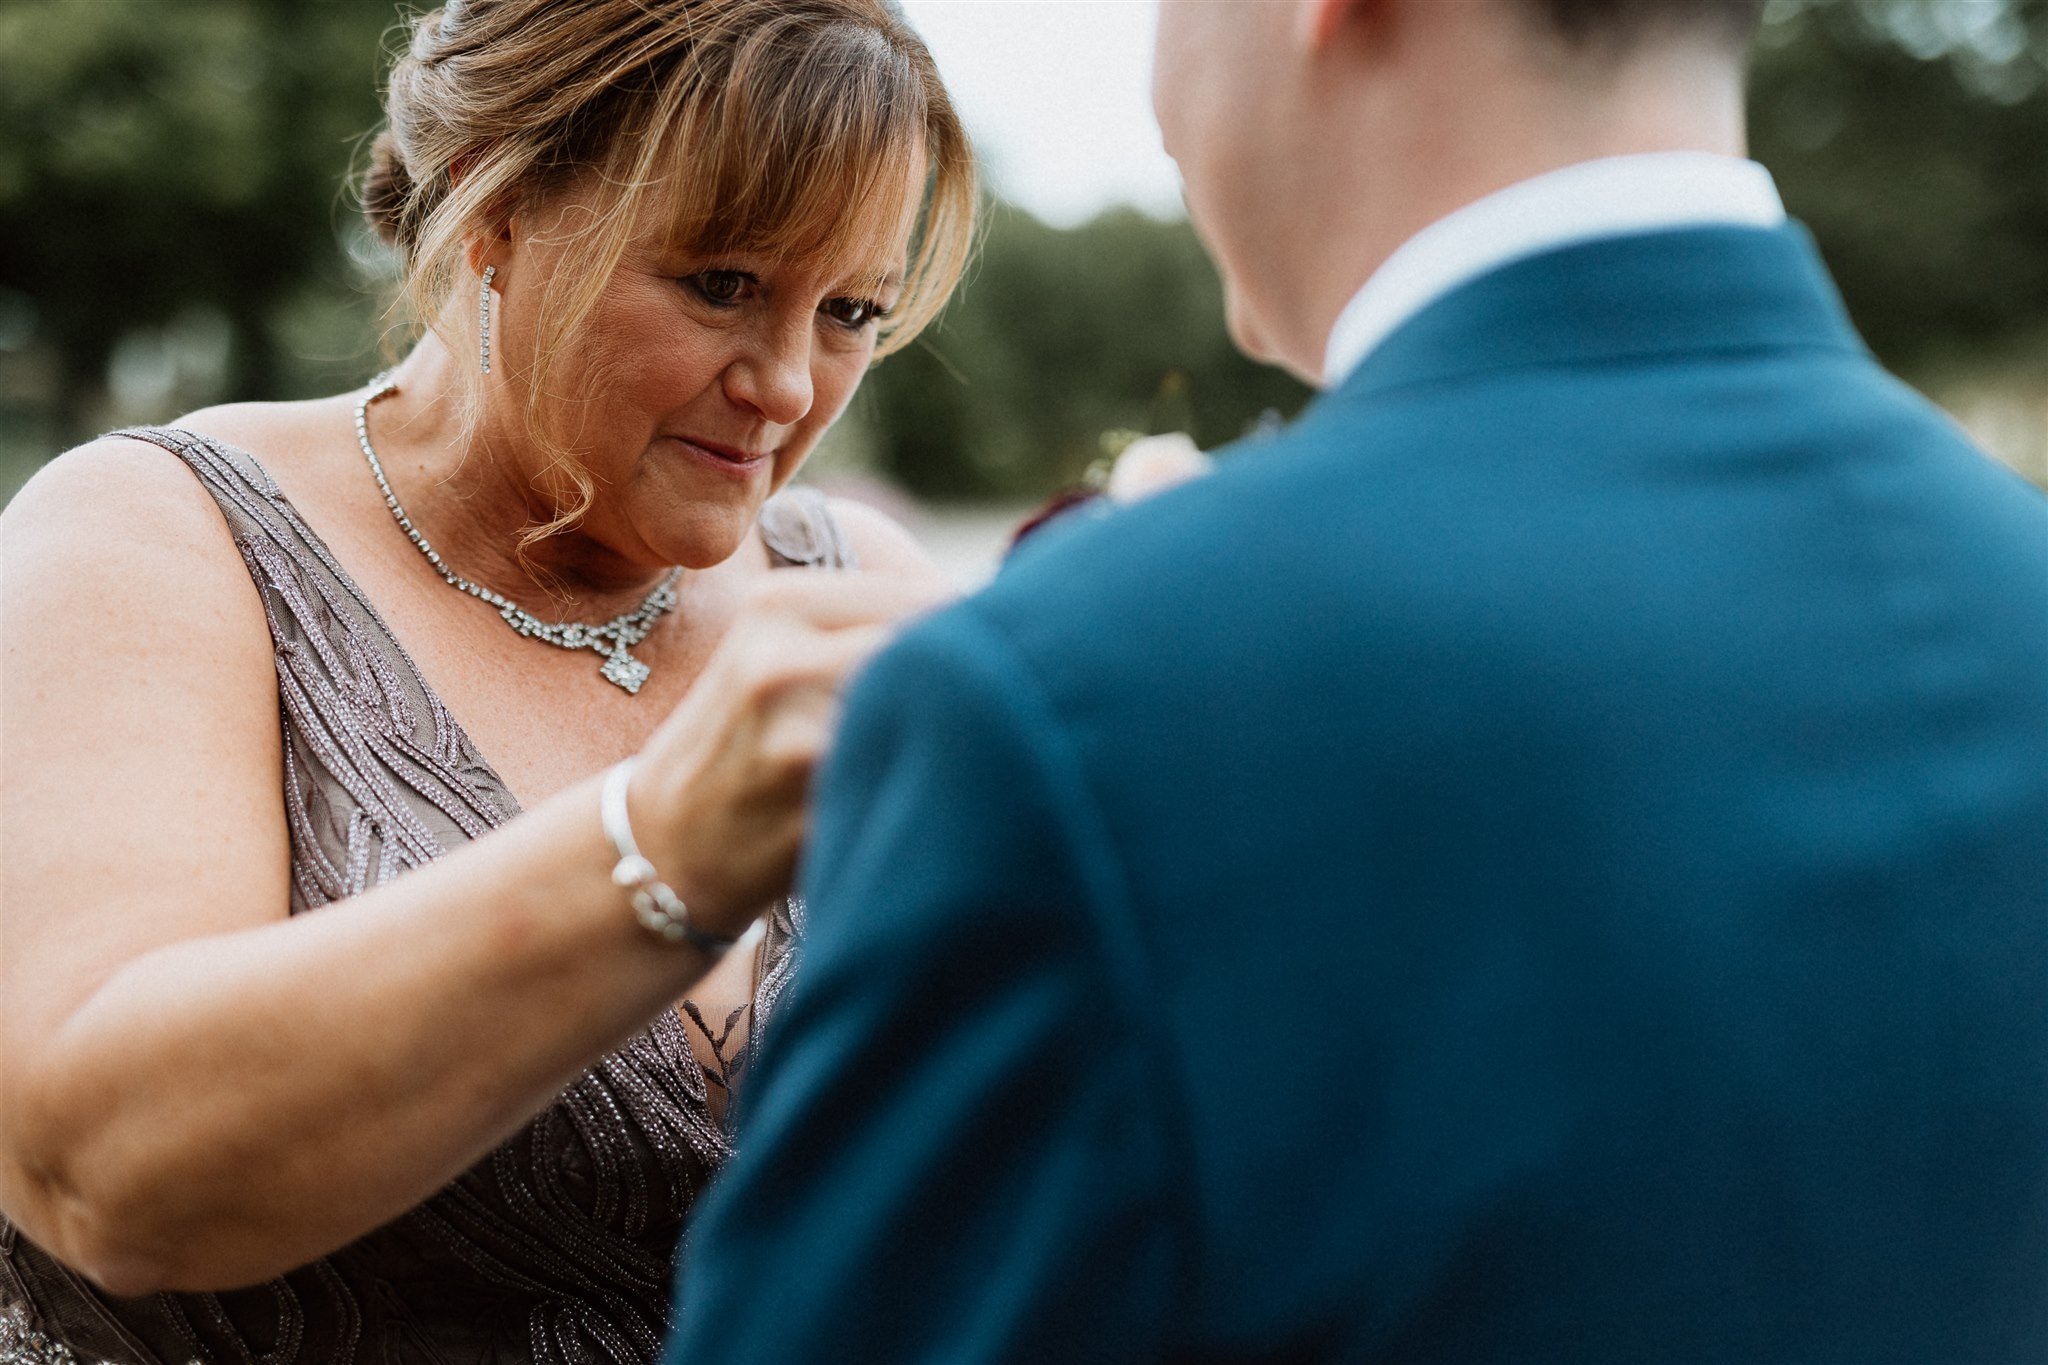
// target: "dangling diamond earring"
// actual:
[[483, 320]]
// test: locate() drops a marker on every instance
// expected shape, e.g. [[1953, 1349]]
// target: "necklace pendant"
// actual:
[[625, 671], [612, 639]]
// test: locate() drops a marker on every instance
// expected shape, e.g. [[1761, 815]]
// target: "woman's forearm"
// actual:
[[223, 1109]]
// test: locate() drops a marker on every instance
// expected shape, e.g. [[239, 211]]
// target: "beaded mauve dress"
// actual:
[[557, 1248]]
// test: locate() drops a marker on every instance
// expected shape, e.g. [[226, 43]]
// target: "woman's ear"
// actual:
[[1320, 20], [492, 248]]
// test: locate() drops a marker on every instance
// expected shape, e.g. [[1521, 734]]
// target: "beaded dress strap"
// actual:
[[800, 530]]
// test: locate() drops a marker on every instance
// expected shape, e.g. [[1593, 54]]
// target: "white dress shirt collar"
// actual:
[[1612, 197]]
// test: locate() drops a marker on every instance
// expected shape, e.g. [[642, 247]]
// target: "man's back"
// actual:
[[1546, 860]]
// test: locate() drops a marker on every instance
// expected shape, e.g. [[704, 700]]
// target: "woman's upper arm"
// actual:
[[140, 752]]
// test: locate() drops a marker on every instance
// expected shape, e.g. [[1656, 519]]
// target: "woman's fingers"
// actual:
[[724, 782], [836, 598]]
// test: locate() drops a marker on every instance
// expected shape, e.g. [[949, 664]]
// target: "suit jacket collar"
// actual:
[[1689, 291], [1614, 196]]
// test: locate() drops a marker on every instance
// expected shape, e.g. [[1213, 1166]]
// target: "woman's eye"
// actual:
[[854, 313], [719, 286]]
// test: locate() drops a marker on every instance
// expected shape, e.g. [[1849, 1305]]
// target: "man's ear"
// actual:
[[1321, 22]]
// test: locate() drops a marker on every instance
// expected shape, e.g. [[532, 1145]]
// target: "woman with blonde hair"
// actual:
[[522, 652]]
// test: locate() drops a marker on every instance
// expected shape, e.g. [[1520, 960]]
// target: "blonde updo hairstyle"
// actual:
[[786, 128]]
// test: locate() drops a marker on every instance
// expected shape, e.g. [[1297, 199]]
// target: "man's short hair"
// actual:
[[1622, 23]]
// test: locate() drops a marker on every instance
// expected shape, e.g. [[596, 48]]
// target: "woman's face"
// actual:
[[705, 382]]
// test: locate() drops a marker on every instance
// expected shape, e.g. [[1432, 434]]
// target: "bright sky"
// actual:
[[1057, 96]]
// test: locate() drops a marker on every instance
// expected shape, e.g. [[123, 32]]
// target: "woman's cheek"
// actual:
[[846, 372]]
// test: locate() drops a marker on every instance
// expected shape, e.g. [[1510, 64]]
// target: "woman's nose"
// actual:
[[773, 375]]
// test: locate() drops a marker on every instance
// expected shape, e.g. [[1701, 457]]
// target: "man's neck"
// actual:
[[1400, 160]]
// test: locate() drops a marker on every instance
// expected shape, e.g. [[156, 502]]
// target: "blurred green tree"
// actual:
[[1912, 137], [156, 158]]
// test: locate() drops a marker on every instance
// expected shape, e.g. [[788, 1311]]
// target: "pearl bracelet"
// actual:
[[659, 909]]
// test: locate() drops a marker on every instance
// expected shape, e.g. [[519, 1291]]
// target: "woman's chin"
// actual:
[[696, 517], [701, 535]]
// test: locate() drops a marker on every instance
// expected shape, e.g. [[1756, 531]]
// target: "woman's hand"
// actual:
[[719, 800]]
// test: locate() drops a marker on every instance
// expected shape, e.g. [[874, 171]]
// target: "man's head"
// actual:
[[1314, 136]]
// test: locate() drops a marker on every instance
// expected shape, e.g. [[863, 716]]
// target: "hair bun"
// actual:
[[387, 190]]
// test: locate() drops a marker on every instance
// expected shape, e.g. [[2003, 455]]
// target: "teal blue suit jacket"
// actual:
[[1547, 860]]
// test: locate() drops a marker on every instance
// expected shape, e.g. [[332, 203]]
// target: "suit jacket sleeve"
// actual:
[[953, 1148]]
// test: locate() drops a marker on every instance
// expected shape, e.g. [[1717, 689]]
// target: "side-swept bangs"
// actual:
[[811, 148], [799, 133]]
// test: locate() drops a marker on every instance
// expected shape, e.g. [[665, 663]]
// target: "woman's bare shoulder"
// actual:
[[273, 432], [112, 493], [120, 532], [122, 498]]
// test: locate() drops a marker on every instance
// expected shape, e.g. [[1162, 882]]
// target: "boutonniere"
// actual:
[[1133, 466]]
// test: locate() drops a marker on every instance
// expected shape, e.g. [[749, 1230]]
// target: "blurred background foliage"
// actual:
[[176, 228]]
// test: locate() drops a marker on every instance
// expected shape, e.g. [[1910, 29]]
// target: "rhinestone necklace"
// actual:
[[612, 639]]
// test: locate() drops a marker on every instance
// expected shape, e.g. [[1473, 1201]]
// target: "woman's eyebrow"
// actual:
[[879, 283]]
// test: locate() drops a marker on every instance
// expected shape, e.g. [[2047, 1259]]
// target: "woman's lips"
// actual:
[[724, 458]]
